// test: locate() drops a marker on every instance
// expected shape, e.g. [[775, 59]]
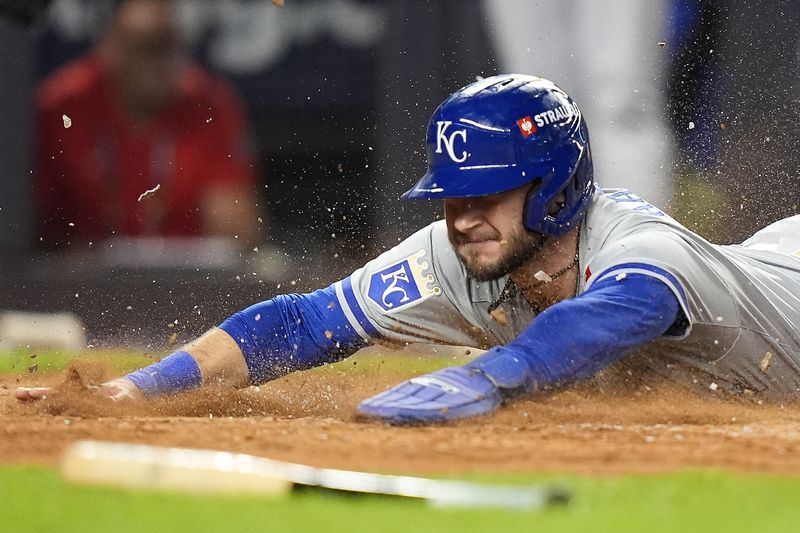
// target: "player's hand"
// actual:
[[447, 394], [29, 394], [115, 390], [120, 390]]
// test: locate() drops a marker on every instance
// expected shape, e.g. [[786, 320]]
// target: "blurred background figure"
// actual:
[[734, 106], [136, 114], [607, 56]]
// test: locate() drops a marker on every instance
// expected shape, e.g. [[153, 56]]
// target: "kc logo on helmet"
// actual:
[[448, 140]]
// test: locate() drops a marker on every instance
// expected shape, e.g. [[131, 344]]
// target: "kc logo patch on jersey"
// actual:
[[402, 284], [447, 139]]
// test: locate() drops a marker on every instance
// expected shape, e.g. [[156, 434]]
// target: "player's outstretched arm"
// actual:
[[265, 341], [569, 341], [213, 357]]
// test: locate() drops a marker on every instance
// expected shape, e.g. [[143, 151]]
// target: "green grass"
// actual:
[[21, 361], [124, 361], [36, 499]]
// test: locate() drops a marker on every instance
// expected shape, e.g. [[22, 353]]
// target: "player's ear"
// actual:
[[557, 204]]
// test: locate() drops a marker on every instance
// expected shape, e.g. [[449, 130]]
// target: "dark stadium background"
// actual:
[[339, 107]]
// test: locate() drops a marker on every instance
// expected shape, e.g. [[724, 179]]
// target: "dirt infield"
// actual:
[[310, 418]]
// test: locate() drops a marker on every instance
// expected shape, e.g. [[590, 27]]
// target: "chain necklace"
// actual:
[[511, 290]]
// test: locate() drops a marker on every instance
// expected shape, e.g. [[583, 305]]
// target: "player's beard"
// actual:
[[519, 248]]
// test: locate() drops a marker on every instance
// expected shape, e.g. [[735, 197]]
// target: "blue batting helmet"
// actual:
[[502, 132]]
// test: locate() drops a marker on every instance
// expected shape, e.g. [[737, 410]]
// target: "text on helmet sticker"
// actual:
[[553, 115], [402, 284], [448, 140]]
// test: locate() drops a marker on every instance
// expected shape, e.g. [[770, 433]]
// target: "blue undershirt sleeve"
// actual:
[[576, 338], [292, 332], [178, 372]]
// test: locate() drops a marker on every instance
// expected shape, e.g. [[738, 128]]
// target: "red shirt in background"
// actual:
[[91, 174]]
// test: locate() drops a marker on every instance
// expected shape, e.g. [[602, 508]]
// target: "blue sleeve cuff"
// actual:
[[175, 373]]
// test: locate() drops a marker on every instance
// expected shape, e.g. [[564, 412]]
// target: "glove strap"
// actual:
[[505, 370]]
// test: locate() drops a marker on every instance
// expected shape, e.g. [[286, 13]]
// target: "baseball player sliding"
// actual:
[[564, 279]]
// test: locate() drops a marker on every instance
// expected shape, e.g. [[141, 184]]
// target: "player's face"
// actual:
[[146, 53], [487, 233]]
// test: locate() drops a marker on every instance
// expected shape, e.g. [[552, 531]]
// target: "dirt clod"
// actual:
[[766, 361], [499, 315]]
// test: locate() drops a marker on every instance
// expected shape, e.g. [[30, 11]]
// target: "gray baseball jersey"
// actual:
[[741, 303]]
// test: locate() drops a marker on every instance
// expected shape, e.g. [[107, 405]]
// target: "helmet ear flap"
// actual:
[[576, 185], [531, 203], [577, 190]]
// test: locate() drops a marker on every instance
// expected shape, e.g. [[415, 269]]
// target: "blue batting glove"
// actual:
[[447, 394]]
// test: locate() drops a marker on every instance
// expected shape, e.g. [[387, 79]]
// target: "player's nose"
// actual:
[[464, 214]]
